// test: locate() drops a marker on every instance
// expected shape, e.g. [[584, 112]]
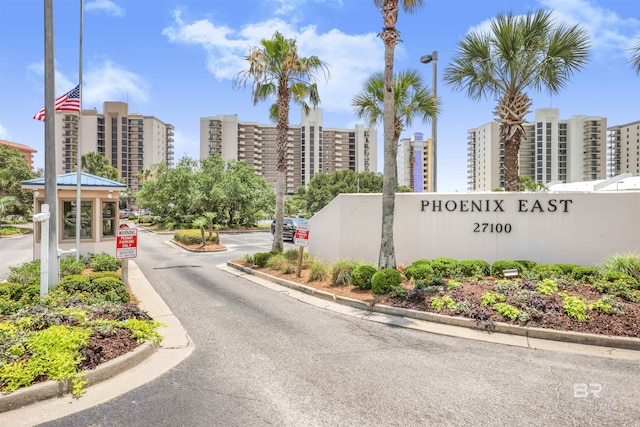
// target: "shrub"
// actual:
[[292, 255], [574, 306], [607, 304], [71, 265], [112, 289], [567, 269], [101, 274], [104, 262], [547, 271], [74, 283], [361, 276], [261, 258], [441, 303], [281, 263], [420, 271], [25, 274], [546, 287], [319, 270], [526, 264], [18, 292], [498, 266], [585, 274], [341, 272], [385, 280], [474, 267], [444, 267], [491, 298], [145, 219], [616, 276], [506, 310], [421, 261], [627, 263], [618, 288]]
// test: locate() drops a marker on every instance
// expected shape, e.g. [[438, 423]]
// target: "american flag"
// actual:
[[70, 101]]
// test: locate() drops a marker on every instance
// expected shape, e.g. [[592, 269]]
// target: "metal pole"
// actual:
[[50, 187], [434, 126], [79, 145]]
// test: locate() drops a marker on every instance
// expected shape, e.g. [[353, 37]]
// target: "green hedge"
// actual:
[[385, 281]]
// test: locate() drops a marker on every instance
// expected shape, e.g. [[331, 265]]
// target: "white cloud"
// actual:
[[4, 133], [104, 81], [107, 6], [608, 30], [286, 7], [351, 58], [108, 81]]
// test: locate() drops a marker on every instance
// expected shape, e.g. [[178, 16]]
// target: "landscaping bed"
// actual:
[[89, 318], [564, 297]]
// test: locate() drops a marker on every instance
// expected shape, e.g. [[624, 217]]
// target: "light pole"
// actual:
[[434, 123]]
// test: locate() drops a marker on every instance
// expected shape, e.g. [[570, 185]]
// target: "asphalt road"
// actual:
[[262, 358], [14, 251]]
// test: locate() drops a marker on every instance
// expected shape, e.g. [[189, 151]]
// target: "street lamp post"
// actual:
[[434, 123]]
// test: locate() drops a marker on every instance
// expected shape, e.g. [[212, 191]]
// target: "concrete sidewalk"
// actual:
[[42, 402]]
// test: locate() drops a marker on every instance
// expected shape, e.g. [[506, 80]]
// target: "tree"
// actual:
[[7, 202], [412, 100], [323, 187], [14, 168], [390, 37], [97, 164], [517, 54], [201, 223], [275, 68], [635, 56]]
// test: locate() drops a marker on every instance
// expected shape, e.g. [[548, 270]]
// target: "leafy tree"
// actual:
[[518, 53], [14, 168], [412, 101], [275, 68], [526, 183], [97, 164], [230, 193], [390, 37], [323, 188], [635, 56]]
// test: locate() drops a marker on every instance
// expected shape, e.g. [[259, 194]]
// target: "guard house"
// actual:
[[99, 201]]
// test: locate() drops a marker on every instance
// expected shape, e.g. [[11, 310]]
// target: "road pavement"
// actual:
[[263, 358]]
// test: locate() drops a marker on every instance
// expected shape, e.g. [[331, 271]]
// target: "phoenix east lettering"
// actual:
[[495, 205]]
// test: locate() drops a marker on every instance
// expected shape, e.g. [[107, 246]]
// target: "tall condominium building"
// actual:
[[415, 162], [130, 142], [551, 150], [310, 147], [624, 149]]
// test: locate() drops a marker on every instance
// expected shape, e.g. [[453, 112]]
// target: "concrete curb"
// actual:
[[501, 328], [174, 348]]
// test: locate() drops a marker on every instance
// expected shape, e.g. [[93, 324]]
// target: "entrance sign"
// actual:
[[301, 237], [126, 242]]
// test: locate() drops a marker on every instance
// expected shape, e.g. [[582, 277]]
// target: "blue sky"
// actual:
[[174, 59]]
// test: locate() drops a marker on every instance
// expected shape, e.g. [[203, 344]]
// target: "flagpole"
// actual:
[[79, 145], [51, 184]]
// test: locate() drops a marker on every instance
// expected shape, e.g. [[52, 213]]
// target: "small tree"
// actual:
[[201, 223], [210, 217]]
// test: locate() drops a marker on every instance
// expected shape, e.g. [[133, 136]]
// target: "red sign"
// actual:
[[126, 242], [302, 235]]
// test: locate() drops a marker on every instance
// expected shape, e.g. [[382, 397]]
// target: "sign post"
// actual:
[[301, 239], [126, 247]]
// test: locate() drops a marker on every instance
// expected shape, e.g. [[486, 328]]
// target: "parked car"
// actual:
[[289, 227]]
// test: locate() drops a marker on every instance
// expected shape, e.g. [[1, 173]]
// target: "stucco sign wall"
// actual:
[[581, 228]]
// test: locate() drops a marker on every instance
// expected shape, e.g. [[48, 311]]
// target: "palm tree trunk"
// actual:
[[389, 37], [281, 150], [511, 110]]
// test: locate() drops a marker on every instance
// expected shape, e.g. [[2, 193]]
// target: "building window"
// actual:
[[108, 219], [69, 215]]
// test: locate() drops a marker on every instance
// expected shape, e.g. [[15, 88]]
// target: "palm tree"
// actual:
[[390, 37], [211, 217], [412, 100], [201, 223], [6, 203], [635, 56], [275, 68], [518, 53]]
